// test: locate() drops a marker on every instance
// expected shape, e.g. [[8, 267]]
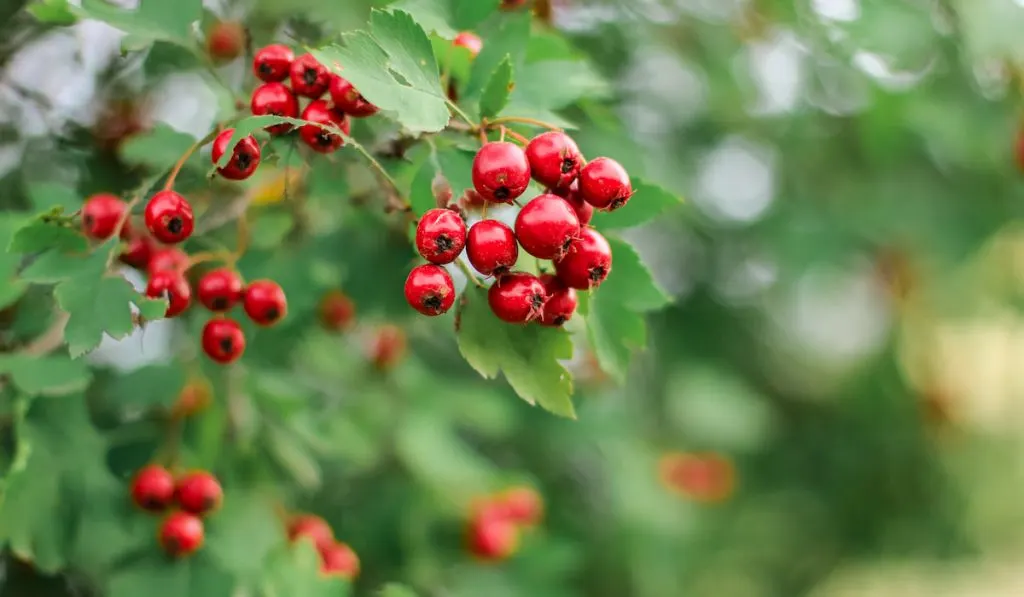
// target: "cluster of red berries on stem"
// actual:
[[495, 522], [193, 496], [336, 557]]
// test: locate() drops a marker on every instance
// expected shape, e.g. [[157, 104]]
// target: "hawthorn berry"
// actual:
[[173, 286], [561, 302], [264, 302], [168, 259], [193, 399], [702, 477], [139, 251], [587, 263], [275, 99], [491, 247], [198, 492], [546, 226], [244, 158], [316, 137], [429, 289], [313, 527], [219, 289], [501, 171], [555, 160], [387, 347], [492, 537], [169, 217], [309, 77], [101, 214], [348, 99], [337, 311], [338, 559], [584, 211], [440, 235], [517, 297], [225, 40], [605, 184], [273, 63], [181, 534], [521, 505], [153, 488], [223, 340], [470, 41]]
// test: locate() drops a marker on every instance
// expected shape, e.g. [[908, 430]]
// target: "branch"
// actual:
[[49, 340]]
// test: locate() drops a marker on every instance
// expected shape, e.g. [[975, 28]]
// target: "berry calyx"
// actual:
[[561, 302], [521, 505], [198, 492], [546, 226], [501, 171], [318, 138], [555, 159], [220, 289], [429, 289], [440, 235], [245, 157], [517, 297], [492, 537], [470, 41], [309, 77], [181, 534], [587, 263], [491, 247], [168, 259], [584, 211], [170, 285], [139, 251], [605, 184], [348, 99], [223, 340], [313, 527], [264, 302], [101, 214], [169, 217], [275, 99], [225, 41], [153, 488], [387, 347], [273, 63], [338, 559], [337, 311]]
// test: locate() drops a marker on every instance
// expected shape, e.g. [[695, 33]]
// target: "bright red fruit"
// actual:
[[273, 62], [339, 559], [275, 99], [555, 160], [492, 537], [546, 226], [387, 347], [220, 289], [181, 534], [264, 302], [101, 214], [223, 340], [605, 184], [584, 211], [491, 247], [168, 259], [587, 263], [348, 99], [429, 290], [138, 252], [309, 77], [500, 171], [169, 217], [198, 492], [561, 302], [153, 488], [337, 311], [316, 137], [440, 235], [225, 41], [470, 41], [173, 286], [517, 297], [521, 505], [314, 527], [244, 158]]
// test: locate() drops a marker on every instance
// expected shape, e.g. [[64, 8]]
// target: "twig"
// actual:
[[521, 120], [173, 174], [469, 273], [219, 219], [458, 112]]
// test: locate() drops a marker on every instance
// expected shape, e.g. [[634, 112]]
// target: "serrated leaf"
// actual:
[[242, 535], [48, 375], [295, 570], [42, 236], [54, 266], [496, 92], [510, 41], [95, 306], [159, 576], [158, 148], [528, 355], [647, 203]]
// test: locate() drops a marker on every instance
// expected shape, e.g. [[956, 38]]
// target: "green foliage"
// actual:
[[495, 94]]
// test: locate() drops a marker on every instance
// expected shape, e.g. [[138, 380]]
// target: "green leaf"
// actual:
[[439, 459], [555, 84], [46, 196], [158, 149], [242, 535], [421, 195], [496, 92], [396, 590], [457, 167], [152, 385], [448, 17], [49, 375], [54, 266], [270, 229], [53, 12], [152, 20], [295, 570], [11, 288], [96, 306], [41, 236], [160, 576], [528, 355], [508, 42], [647, 203]]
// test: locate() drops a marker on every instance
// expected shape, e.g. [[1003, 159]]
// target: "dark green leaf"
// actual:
[[648, 202], [95, 306], [270, 229], [159, 148], [42, 236], [152, 385], [11, 288], [421, 196], [555, 84], [51, 195], [510, 41], [49, 375], [242, 535], [160, 576], [295, 570], [457, 167], [448, 17], [496, 92]]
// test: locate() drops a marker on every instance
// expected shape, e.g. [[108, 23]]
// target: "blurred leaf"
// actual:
[[448, 17], [145, 387], [41, 236], [647, 203], [439, 459], [555, 84], [158, 148], [295, 570], [160, 576], [243, 534], [421, 195], [396, 590], [508, 42], [496, 92], [270, 228], [48, 375], [98, 306], [54, 12], [50, 195], [457, 167], [11, 288], [153, 19]]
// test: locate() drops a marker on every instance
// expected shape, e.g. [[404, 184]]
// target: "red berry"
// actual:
[[100, 215], [546, 226], [244, 158], [561, 302], [169, 217], [440, 235], [517, 297], [470, 41], [273, 62], [223, 340], [153, 488], [500, 171], [584, 211], [340, 560], [139, 251], [605, 184], [181, 534], [199, 493], [429, 290], [491, 247], [555, 160], [220, 289], [521, 505], [173, 286], [387, 347], [275, 99], [316, 137], [587, 263], [225, 41], [314, 527], [309, 77], [348, 99], [492, 537], [264, 302], [337, 311], [168, 259]]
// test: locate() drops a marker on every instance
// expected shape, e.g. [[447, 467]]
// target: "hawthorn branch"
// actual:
[[469, 273], [521, 120], [173, 174]]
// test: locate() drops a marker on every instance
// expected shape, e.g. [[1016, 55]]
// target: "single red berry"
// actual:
[[139, 251], [273, 63], [244, 158], [584, 211], [470, 41], [387, 347], [220, 289], [429, 289], [275, 99], [546, 226], [225, 41], [337, 311], [264, 302], [169, 217], [223, 340], [340, 560], [153, 488], [316, 137], [491, 247], [440, 235], [521, 505], [313, 527], [100, 215], [561, 303], [173, 286], [309, 77], [500, 171], [198, 492], [181, 534], [555, 160], [605, 184], [348, 99], [517, 297], [492, 537], [587, 263], [168, 259]]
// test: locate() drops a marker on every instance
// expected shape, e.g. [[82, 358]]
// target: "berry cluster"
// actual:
[[336, 557], [196, 494], [308, 78], [552, 226], [496, 521]]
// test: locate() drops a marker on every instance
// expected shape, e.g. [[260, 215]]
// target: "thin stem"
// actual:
[[376, 165], [469, 273], [522, 120], [173, 174], [208, 256], [503, 131], [458, 112], [516, 136], [242, 243]]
